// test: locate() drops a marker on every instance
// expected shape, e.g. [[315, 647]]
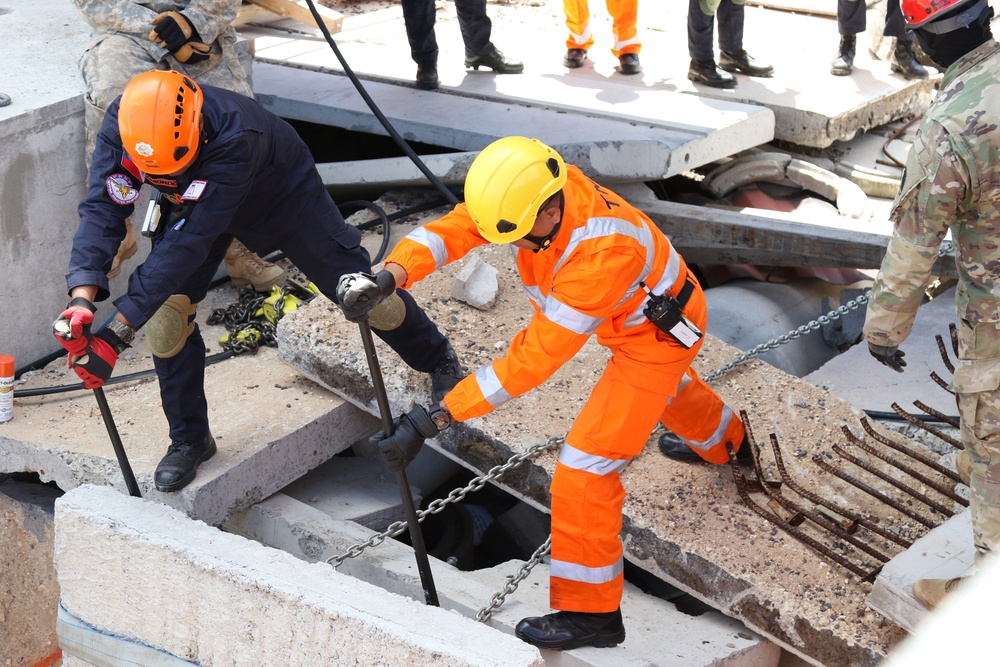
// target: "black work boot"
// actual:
[[178, 467], [566, 630], [843, 64], [427, 76], [574, 58], [741, 61], [707, 73], [446, 374], [496, 61], [674, 448], [628, 63], [904, 61]]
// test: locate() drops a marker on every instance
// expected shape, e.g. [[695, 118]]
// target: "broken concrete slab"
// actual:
[[314, 615], [943, 553], [683, 523], [811, 107], [271, 426], [30, 593], [651, 623], [608, 147]]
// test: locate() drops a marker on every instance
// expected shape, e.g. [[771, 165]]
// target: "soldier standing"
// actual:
[[952, 183]]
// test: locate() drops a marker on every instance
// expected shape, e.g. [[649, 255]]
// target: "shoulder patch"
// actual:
[[194, 191], [120, 189], [131, 167]]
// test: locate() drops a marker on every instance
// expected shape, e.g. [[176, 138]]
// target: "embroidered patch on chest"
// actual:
[[120, 189]]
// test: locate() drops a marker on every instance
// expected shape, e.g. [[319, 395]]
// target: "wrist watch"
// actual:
[[440, 417], [125, 333]]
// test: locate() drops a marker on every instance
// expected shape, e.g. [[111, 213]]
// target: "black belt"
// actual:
[[685, 294]]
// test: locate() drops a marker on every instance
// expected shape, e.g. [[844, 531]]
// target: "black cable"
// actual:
[[382, 217], [448, 194], [131, 377]]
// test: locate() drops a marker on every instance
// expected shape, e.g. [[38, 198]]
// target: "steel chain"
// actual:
[[788, 337], [437, 506], [239, 317], [513, 581]]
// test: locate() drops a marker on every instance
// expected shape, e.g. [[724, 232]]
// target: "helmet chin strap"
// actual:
[[544, 242]]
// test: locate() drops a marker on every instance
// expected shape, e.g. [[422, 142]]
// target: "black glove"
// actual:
[[174, 32], [889, 356], [359, 293], [404, 444]]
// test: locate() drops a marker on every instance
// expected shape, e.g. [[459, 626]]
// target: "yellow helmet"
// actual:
[[508, 182], [159, 119]]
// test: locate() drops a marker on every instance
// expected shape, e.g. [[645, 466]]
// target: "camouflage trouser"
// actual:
[[112, 60], [977, 384]]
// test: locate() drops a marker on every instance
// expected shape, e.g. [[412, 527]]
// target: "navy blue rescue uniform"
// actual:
[[254, 179], [701, 29]]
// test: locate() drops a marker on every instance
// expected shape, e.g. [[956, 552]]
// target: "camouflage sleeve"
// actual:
[[116, 15], [934, 185], [211, 17]]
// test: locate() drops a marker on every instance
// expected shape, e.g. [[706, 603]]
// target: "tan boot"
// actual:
[[930, 592], [964, 467], [126, 249], [246, 268]]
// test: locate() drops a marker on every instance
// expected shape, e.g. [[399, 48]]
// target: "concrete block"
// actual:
[[651, 623], [943, 553], [29, 592], [271, 426], [476, 283], [685, 524], [145, 572]]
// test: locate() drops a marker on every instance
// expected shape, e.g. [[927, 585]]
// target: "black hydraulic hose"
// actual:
[[448, 194], [382, 218]]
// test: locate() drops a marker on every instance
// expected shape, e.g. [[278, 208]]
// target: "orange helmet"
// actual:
[[926, 14], [159, 118]]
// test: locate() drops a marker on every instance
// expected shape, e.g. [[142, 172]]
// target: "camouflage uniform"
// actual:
[[952, 181], [121, 48]]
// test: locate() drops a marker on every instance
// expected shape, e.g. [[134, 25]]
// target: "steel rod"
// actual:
[[116, 443]]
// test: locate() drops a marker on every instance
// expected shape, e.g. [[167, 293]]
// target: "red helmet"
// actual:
[[926, 14], [159, 118]]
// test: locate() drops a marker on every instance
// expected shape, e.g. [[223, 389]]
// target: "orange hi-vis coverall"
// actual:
[[624, 13], [587, 282]]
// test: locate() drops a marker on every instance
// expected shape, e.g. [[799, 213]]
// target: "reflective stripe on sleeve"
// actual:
[[587, 575], [572, 457], [569, 318], [490, 386], [432, 242]]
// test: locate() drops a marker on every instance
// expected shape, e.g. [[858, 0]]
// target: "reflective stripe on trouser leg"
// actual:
[[625, 14], [980, 421], [578, 22], [702, 419]]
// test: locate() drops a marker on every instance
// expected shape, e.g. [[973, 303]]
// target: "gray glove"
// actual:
[[359, 293], [404, 444], [889, 356]]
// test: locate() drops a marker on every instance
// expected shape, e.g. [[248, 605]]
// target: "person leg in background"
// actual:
[[851, 20], [419, 17], [627, 45], [476, 28], [701, 35], [732, 56], [903, 60]]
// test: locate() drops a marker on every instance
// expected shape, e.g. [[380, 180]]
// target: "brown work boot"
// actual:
[[246, 268], [126, 249], [930, 592]]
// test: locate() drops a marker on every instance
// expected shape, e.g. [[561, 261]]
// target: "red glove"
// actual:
[[95, 364], [72, 329]]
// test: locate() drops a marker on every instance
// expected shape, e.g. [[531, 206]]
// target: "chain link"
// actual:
[[513, 581], [788, 337], [437, 506]]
